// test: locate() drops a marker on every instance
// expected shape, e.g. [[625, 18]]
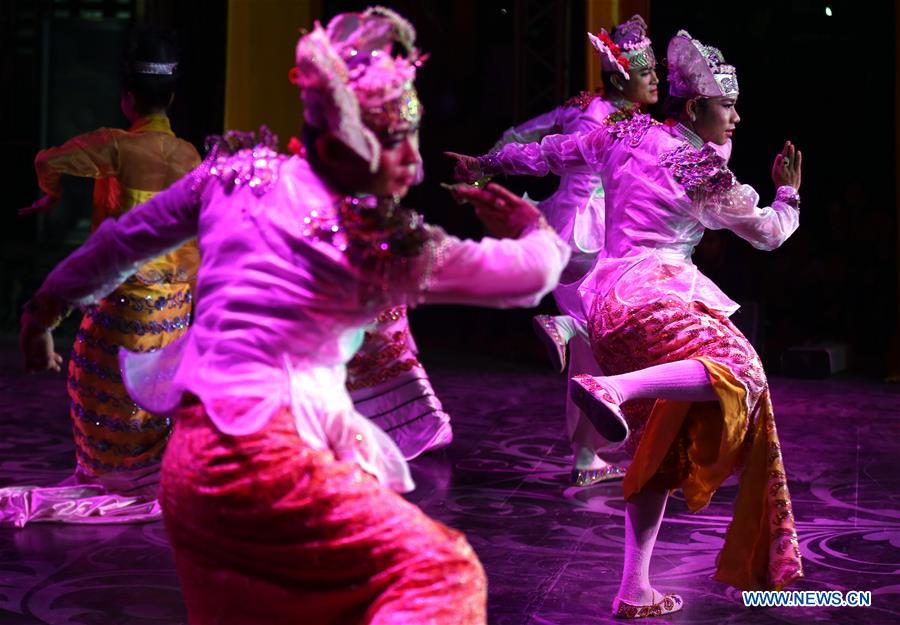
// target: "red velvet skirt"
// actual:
[[267, 530]]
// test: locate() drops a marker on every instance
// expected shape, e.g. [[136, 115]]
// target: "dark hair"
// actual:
[[308, 136], [152, 92], [606, 79], [673, 106]]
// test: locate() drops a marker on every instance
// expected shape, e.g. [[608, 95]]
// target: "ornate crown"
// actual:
[[696, 69]]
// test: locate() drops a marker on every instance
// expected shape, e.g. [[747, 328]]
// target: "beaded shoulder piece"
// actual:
[[622, 114], [390, 244], [630, 126], [698, 170], [582, 100], [240, 159]]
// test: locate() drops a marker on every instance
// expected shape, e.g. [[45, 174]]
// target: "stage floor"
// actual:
[[552, 552]]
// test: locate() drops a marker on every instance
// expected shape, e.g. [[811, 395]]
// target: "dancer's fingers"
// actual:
[[502, 193]]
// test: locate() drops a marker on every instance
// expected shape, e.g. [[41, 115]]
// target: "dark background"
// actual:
[[826, 83]]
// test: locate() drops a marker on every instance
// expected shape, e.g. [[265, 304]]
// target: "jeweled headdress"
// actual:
[[628, 47], [698, 70], [353, 81]]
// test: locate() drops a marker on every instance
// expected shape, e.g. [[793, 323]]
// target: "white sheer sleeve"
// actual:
[[738, 210], [120, 246], [533, 130], [561, 154], [721, 202], [500, 273]]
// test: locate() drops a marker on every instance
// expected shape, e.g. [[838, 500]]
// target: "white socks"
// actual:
[[643, 516], [683, 380]]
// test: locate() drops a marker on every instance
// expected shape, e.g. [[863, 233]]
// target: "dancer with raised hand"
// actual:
[[118, 445], [576, 210], [686, 392], [278, 496]]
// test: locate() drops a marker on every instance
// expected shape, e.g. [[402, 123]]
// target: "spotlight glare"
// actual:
[[828, 11]]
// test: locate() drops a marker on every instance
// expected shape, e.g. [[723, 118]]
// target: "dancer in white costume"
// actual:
[[686, 393], [389, 385], [576, 210]]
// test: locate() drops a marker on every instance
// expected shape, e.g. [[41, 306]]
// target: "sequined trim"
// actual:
[[88, 365], [122, 402], [586, 477], [698, 171], [668, 604], [582, 100], [632, 128], [391, 314], [104, 467], [256, 169], [241, 159], [384, 375], [150, 304], [98, 344], [117, 423], [126, 326], [368, 368], [84, 338], [789, 195], [104, 446]]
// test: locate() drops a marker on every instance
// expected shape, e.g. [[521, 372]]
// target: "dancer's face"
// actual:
[[397, 170], [642, 86], [399, 164], [714, 121]]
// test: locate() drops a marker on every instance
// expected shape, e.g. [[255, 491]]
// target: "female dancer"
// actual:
[[576, 211], [275, 491], [388, 384], [118, 445], [661, 328]]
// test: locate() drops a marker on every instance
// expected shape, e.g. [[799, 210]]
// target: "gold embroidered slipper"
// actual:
[[586, 477], [666, 605], [549, 336], [599, 407]]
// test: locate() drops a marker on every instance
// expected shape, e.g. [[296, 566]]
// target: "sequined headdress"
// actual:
[[354, 83], [698, 70], [628, 47]]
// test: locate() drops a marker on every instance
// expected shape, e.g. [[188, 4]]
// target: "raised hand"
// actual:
[[467, 169], [503, 213], [787, 167]]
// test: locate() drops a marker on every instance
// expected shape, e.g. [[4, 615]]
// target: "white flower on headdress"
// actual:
[[328, 101], [348, 68]]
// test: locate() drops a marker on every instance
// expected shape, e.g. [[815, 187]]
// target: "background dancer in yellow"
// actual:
[[118, 445]]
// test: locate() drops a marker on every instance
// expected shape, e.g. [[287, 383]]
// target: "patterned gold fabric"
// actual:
[[111, 432], [148, 311]]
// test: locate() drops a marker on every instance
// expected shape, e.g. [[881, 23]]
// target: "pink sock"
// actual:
[[682, 380]]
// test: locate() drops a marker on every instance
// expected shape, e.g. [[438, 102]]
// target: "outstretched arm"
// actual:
[[91, 155], [534, 129], [111, 254], [517, 268], [557, 153]]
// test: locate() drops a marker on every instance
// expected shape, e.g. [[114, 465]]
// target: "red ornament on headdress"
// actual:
[[294, 75], [295, 147]]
